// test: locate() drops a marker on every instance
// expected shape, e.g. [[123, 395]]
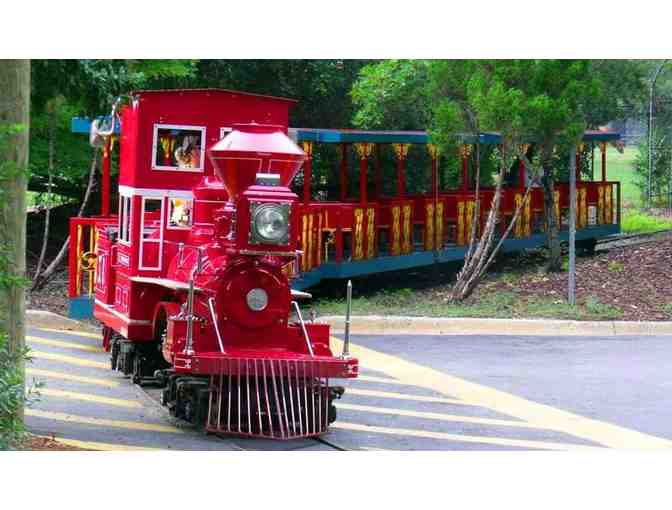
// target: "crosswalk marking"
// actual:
[[75, 333], [100, 422], [69, 359], [499, 441], [434, 416], [540, 415], [95, 445], [52, 374], [402, 396], [60, 343], [88, 397]]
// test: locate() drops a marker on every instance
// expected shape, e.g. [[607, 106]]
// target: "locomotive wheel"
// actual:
[[114, 354]]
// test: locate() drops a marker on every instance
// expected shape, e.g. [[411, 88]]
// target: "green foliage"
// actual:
[[397, 84], [638, 222], [13, 394], [661, 177]]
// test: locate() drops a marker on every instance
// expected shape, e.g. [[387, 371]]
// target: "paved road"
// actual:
[[415, 393]]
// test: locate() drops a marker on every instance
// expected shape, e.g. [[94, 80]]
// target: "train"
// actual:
[[198, 275], [191, 277]]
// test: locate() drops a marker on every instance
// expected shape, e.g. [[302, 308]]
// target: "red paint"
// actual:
[[363, 179], [465, 173], [401, 176], [307, 177]]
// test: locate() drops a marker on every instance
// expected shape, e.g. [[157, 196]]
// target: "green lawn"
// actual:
[[620, 168]]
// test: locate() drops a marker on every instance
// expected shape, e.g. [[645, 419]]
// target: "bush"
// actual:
[[12, 395]]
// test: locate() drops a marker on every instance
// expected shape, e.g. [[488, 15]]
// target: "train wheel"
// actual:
[[114, 353]]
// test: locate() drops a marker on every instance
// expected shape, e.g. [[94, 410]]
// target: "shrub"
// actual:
[[12, 395]]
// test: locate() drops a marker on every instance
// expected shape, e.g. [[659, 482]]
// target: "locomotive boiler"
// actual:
[[191, 276]]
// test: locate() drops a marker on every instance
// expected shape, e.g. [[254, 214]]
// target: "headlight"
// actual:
[[257, 299], [270, 223]]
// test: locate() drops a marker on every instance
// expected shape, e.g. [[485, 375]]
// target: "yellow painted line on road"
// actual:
[[52, 374], [104, 447], [69, 359], [75, 333], [433, 416], [100, 422], [384, 380], [60, 343], [88, 397], [426, 434], [539, 415], [402, 396]]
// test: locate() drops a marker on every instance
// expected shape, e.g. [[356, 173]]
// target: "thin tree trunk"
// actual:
[[49, 272], [50, 183], [475, 267], [554, 263], [14, 111]]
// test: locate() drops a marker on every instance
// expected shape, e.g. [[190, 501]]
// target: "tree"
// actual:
[[399, 85], [14, 122]]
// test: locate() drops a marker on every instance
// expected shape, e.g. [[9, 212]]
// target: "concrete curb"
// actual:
[[50, 320], [378, 325]]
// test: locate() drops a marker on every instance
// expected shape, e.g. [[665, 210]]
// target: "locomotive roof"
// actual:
[[228, 91], [420, 137]]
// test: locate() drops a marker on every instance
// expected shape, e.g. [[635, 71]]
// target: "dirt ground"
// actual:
[[47, 444], [637, 279]]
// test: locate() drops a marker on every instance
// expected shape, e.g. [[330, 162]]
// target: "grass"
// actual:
[[667, 308], [637, 222], [620, 167], [492, 304]]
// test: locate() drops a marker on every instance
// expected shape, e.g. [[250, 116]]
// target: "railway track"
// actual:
[[631, 239]]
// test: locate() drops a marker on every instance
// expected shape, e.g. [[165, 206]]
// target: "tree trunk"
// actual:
[[43, 279], [14, 111], [478, 261], [47, 214], [554, 263]]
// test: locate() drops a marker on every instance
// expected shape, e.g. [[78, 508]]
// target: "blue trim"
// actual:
[[332, 270], [81, 308], [83, 124], [419, 137]]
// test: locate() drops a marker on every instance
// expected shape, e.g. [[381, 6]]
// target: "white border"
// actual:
[[223, 131], [158, 241], [155, 193], [199, 170], [124, 215]]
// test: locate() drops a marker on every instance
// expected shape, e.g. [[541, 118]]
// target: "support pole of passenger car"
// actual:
[[307, 171], [364, 152], [438, 242], [344, 172], [465, 152], [105, 180], [603, 154], [377, 174], [401, 151], [579, 150], [521, 166]]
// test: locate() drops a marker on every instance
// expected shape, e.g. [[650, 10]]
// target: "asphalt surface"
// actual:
[[417, 392]]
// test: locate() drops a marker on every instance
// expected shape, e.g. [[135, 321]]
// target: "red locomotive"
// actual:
[[191, 277]]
